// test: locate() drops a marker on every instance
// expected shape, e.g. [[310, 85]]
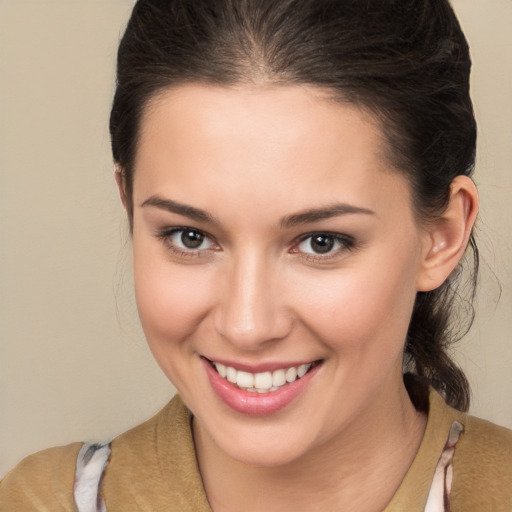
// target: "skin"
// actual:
[[256, 292]]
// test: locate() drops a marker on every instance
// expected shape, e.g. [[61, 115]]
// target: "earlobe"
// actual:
[[448, 236], [121, 185]]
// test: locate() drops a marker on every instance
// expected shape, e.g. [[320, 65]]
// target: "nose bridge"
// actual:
[[251, 311]]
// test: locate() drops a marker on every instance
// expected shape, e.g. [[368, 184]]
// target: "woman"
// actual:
[[296, 176]]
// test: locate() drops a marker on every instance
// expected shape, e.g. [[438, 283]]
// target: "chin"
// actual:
[[265, 455], [262, 445]]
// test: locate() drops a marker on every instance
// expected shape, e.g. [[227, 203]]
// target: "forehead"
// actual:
[[255, 114], [258, 143]]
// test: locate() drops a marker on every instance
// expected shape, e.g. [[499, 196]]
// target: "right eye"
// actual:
[[187, 241]]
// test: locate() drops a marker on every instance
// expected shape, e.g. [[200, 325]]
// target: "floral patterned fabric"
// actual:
[[439, 495], [90, 465]]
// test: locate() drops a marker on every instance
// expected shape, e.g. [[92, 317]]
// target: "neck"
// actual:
[[344, 474]]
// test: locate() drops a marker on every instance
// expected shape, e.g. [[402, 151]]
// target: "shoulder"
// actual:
[[484, 439], [464, 456], [154, 467], [483, 447], [482, 466], [43, 481], [151, 467]]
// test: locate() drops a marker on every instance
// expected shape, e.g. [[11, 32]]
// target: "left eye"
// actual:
[[323, 243], [188, 239]]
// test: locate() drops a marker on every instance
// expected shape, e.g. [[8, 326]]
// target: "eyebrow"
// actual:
[[296, 219], [181, 209], [328, 212]]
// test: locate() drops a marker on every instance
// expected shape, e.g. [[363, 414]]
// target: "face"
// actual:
[[276, 261]]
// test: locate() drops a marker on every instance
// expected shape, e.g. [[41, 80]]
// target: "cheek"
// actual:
[[171, 301], [368, 307]]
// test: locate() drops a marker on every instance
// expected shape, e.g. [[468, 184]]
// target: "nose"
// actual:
[[252, 312]]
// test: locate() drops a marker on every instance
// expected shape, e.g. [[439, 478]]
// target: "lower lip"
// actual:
[[256, 404]]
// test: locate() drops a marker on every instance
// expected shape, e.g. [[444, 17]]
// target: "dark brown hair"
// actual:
[[406, 61]]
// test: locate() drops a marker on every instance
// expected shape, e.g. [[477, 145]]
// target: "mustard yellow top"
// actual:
[[153, 468]]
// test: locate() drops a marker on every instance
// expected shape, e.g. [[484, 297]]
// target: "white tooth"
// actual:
[[278, 378], [252, 390], [291, 374], [245, 380], [274, 388], [221, 369], [262, 390], [263, 380], [303, 368], [231, 374]]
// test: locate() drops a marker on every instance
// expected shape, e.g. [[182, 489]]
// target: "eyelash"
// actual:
[[344, 242], [167, 234]]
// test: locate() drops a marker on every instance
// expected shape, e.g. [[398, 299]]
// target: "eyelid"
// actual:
[[167, 233], [347, 242], [334, 234]]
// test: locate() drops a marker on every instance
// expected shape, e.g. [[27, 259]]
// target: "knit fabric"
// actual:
[[153, 467]]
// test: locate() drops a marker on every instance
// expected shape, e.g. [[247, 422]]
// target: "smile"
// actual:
[[264, 382], [263, 392]]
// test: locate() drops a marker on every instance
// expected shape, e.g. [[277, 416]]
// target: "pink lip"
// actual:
[[256, 404]]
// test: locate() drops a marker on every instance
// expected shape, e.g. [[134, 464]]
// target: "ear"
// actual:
[[447, 238], [121, 184]]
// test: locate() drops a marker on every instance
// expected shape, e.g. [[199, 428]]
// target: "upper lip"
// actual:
[[268, 366]]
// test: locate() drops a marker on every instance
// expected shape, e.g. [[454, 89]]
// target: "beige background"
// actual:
[[73, 363]]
